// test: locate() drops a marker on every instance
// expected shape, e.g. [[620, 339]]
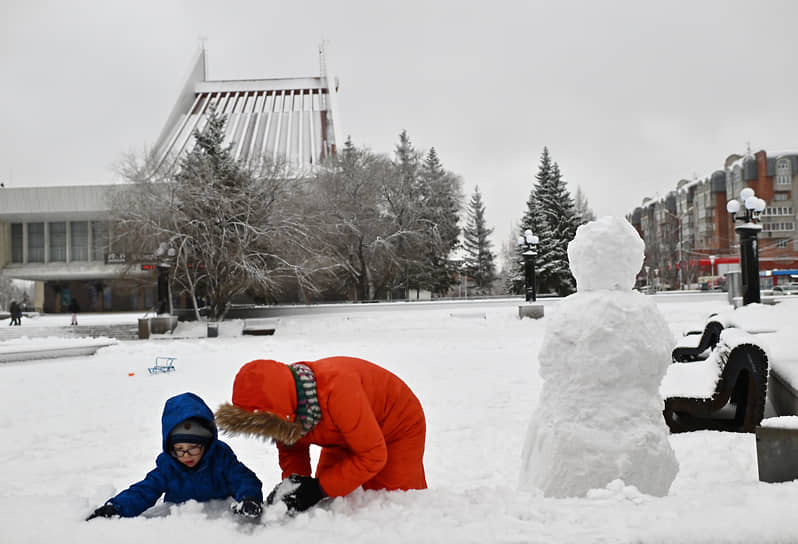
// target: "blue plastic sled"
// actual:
[[162, 364]]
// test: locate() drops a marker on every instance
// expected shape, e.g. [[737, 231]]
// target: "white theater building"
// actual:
[[61, 237]]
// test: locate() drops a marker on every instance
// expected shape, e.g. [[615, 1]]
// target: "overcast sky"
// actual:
[[630, 96]]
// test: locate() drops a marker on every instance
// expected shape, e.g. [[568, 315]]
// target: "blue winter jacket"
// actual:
[[218, 475]]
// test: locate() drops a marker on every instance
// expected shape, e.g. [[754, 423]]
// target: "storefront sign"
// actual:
[[115, 258]]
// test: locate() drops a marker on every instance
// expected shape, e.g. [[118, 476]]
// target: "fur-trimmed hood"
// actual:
[[264, 403], [234, 420]]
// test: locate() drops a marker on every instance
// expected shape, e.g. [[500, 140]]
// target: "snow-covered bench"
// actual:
[[726, 391], [694, 345], [259, 327]]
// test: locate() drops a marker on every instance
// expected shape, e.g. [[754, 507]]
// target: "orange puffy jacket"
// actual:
[[372, 428]]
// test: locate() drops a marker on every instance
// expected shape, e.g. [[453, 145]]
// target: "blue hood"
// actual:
[[181, 407]]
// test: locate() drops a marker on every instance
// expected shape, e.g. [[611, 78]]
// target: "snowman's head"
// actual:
[[606, 254]]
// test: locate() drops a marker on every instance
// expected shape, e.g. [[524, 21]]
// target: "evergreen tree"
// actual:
[[403, 206], [439, 195], [550, 215], [533, 220], [557, 208], [479, 259]]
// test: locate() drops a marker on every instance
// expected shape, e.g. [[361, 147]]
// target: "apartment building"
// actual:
[[689, 235]]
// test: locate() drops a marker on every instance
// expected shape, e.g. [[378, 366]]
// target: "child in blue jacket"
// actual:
[[194, 464]]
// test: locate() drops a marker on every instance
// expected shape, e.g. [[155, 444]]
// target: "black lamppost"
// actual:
[[528, 244], [164, 253], [749, 250]]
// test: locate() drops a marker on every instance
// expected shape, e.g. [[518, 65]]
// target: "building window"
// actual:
[[79, 241], [778, 210], [17, 243], [781, 196], [99, 237], [783, 172], [57, 241], [778, 227], [782, 244], [35, 242]]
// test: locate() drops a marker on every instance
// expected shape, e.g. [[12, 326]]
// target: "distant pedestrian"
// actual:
[[74, 307], [16, 313]]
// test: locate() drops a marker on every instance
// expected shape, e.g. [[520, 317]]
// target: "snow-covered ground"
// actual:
[[77, 430]]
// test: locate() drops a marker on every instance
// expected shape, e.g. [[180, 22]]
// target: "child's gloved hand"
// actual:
[[249, 508], [304, 493], [107, 510]]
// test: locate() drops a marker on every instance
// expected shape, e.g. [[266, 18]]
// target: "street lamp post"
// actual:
[[748, 231], [528, 243], [165, 253]]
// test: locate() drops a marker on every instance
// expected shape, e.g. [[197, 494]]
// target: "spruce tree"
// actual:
[[439, 195], [550, 215], [533, 219], [557, 208], [479, 259], [403, 202]]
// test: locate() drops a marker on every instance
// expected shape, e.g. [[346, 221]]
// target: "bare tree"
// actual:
[[359, 241], [583, 211], [234, 228], [19, 291]]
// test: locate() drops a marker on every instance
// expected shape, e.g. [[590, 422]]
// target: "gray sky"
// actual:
[[630, 96]]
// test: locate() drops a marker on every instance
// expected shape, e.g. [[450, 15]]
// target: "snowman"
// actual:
[[605, 351]]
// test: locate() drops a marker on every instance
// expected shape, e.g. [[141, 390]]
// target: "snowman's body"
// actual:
[[606, 349]]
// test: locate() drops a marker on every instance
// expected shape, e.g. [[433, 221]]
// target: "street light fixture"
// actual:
[[528, 244], [165, 254], [748, 231]]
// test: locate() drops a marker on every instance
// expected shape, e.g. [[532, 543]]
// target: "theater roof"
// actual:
[[291, 118]]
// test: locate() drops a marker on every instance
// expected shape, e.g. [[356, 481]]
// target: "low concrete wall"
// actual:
[[535, 311], [163, 324], [51, 352]]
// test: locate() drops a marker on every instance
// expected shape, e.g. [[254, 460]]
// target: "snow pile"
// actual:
[[693, 380], [77, 430], [780, 422], [604, 354], [751, 317]]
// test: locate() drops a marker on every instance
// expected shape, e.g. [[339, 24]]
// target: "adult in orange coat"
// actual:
[[369, 424]]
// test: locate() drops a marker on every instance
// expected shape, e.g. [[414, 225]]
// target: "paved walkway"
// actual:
[[119, 326]]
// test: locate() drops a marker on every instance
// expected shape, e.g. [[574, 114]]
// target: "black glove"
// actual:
[[306, 492], [249, 508], [107, 510]]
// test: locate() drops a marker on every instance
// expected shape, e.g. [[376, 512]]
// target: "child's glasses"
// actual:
[[193, 450]]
